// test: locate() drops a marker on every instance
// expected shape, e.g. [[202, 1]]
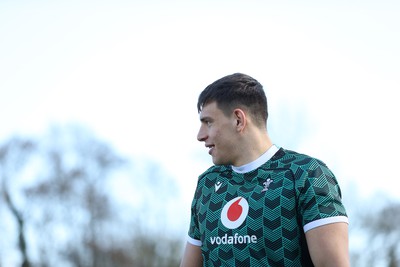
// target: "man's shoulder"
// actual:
[[215, 170], [290, 157], [209, 178]]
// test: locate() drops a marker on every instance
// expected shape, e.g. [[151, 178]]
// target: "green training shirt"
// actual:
[[257, 214]]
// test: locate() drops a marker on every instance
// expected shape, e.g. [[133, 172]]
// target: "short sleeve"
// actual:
[[194, 230], [320, 200], [194, 233]]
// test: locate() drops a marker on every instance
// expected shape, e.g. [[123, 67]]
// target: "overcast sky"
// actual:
[[132, 70]]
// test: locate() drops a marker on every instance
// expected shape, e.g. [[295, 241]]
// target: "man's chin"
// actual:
[[219, 162]]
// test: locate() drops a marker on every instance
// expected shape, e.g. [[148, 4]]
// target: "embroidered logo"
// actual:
[[217, 185], [266, 184]]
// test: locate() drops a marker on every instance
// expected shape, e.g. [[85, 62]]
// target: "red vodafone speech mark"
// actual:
[[235, 210]]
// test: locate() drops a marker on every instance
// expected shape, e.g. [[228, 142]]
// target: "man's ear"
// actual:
[[240, 119]]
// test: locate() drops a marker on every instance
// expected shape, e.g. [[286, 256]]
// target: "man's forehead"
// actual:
[[208, 109], [210, 106]]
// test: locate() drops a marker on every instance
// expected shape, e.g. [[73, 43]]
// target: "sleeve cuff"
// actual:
[[324, 221], [193, 241]]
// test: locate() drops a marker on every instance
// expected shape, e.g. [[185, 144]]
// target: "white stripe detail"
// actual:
[[258, 162], [325, 221], [194, 241]]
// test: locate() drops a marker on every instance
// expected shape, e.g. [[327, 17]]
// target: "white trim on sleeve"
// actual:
[[325, 221], [194, 241]]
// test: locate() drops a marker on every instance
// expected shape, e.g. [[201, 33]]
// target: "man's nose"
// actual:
[[201, 135]]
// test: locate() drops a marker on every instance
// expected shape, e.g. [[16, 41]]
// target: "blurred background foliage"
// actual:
[[57, 193]]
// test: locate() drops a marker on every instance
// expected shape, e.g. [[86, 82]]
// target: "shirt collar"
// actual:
[[258, 162]]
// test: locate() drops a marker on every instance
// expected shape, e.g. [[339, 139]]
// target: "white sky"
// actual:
[[132, 70]]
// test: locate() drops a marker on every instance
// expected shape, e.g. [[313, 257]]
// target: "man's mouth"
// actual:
[[210, 149]]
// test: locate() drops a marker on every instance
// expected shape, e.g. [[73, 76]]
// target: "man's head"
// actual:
[[237, 91], [233, 114]]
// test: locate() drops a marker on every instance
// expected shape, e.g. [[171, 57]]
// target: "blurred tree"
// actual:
[[383, 229], [13, 157], [73, 192], [380, 230], [66, 204]]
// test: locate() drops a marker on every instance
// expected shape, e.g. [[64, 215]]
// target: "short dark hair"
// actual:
[[237, 90]]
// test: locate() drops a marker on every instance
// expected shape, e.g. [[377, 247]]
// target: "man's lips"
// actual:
[[210, 148]]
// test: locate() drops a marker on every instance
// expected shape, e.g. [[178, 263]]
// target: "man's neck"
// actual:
[[253, 147]]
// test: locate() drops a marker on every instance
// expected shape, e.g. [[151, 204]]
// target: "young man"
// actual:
[[259, 205]]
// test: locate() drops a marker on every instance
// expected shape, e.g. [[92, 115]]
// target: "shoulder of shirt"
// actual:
[[285, 156], [215, 169], [282, 158]]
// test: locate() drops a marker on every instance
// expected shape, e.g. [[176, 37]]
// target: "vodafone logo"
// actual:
[[232, 216], [234, 213]]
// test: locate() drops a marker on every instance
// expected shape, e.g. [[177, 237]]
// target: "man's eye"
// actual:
[[206, 122]]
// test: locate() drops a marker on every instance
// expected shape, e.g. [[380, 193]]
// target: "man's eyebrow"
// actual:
[[203, 119]]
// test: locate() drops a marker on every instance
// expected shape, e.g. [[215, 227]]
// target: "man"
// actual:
[[259, 205]]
